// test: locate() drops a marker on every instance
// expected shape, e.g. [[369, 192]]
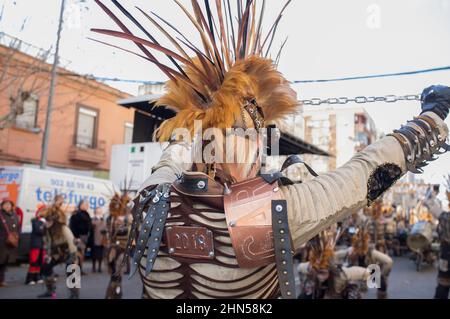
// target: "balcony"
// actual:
[[87, 151]]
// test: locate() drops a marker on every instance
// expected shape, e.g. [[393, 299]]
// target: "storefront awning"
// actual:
[[289, 144]]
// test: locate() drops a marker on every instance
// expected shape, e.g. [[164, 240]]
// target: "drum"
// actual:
[[421, 236]]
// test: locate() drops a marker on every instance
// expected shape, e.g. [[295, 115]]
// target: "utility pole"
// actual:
[[51, 94]]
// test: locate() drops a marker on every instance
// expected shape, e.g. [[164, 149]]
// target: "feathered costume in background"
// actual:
[[214, 84], [322, 249], [118, 229], [361, 240]]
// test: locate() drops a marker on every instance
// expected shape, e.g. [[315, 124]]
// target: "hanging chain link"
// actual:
[[362, 99]]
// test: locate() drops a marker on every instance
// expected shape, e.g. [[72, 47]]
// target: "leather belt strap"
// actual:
[[157, 233], [283, 249], [152, 228], [295, 159]]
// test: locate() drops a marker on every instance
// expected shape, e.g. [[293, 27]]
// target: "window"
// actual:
[[27, 118], [86, 134], [128, 137], [362, 139]]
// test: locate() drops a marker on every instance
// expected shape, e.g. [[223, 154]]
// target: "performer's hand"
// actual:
[[436, 98]]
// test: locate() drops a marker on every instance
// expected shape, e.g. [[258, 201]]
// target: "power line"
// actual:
[[444, 68], [372, 76]]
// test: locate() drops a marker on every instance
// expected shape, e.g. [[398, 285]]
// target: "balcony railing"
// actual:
[[87, 150]]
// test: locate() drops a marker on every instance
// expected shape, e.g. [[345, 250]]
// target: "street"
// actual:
[[404, 283], [93, 285]]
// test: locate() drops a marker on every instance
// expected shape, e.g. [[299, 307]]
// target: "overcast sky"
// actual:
[[327, 39]]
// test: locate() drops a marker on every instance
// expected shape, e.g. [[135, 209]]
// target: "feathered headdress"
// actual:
[[361, 239], [53, 213], [231, 74], [322, 249], [118, 205], [375, 211]]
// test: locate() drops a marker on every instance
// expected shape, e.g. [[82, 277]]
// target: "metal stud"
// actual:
[[232, 224], [280, 221], [171, 250], [283, 251], [211, 254], [282, 240], [288, 293], [281, 231], [279, 208], [287, 283], [284, 262], [276, 189], [201, 184]]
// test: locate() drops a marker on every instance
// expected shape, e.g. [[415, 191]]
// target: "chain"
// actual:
[[362, 99]]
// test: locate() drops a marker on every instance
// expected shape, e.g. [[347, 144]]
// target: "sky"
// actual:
[[326, 39]]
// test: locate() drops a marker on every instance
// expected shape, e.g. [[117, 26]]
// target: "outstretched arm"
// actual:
[[317, 204]]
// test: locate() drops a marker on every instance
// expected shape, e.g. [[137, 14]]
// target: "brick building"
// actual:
[[86, 121]]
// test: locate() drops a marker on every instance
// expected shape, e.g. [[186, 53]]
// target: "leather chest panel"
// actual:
[[248, 213]]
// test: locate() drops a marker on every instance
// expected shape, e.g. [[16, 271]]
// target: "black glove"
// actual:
[[436, 98]]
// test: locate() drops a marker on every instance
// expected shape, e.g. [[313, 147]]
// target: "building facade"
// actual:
[[86, 121], [340, 131]]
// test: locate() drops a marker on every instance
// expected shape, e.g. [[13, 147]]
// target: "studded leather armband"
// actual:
[[420, 139], [149, 214]]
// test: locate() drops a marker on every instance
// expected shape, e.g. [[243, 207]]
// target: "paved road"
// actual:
[[93, 285], [404, 283]]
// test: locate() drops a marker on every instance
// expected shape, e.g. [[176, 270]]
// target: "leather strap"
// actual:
[[276, 176], [152, 227], [154, 242], [295, 159], [283, 249]]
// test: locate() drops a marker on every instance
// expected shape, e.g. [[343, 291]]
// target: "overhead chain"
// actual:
[[362, 99]]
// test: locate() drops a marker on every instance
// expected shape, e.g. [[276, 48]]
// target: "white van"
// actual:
[[30, 187]]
